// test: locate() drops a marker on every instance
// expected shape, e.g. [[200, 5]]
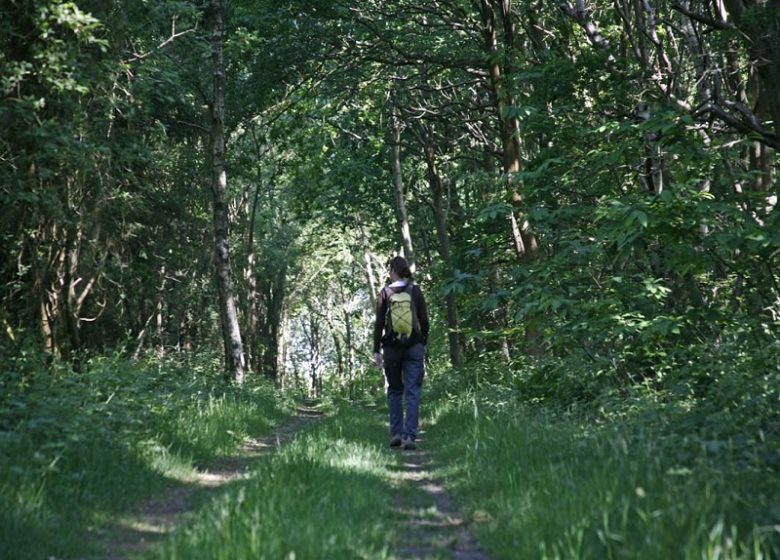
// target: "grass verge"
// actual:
[[545, 483], [79, 447]]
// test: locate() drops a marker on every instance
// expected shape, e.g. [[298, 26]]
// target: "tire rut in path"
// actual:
[[159, 515], [432, 526]]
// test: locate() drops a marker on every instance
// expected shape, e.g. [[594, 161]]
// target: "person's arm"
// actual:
[[379, 321], [422, 315]]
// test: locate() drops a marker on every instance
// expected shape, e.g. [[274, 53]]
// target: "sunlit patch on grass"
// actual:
[[324, 495], [88, 446], [175, 466]]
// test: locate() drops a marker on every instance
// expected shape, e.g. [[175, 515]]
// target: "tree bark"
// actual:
[[523, 238], [234, 352], [315, 357], [762, 40], [281, 376], [372, 282], [348, 342], [349, 353], [440, 214], [252, 298], [398, 185]]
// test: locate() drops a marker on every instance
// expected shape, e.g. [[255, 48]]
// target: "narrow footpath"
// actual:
[[432, 525], [157, 517]]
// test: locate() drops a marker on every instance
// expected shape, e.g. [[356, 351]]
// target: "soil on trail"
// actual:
[[159, 515], [432, 527]]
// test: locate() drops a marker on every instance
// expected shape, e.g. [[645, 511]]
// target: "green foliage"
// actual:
[[97, 164], [75, 446], [655, 275]]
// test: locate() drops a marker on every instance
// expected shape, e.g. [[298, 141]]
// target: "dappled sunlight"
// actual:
[[146, 526], [433, 525], [175, 466], [354, 457], [321, 494]]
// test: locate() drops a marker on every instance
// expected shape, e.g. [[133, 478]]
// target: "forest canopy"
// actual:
[[584, 181]]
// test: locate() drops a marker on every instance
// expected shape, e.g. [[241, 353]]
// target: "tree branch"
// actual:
[[140, 56], [700, 18], [749, 125]]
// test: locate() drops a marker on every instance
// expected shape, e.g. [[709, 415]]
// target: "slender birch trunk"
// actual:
[[398, 184], [234, 352]]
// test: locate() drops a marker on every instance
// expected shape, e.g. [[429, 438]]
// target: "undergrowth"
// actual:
[[629, 473], [77, 446]]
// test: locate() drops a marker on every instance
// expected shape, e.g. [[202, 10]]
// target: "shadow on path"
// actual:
[[432, 527]]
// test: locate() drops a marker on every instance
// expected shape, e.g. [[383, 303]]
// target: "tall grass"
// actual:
[[325, 495], [77, 446], [544, 483]]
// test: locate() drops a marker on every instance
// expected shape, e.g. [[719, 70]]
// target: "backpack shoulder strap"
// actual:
[[409, 289]]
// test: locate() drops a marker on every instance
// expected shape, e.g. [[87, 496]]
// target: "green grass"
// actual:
[[541, 483], [635, 478], [327, 494], [76, 448]]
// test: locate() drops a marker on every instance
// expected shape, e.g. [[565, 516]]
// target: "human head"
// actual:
[[401, 267]]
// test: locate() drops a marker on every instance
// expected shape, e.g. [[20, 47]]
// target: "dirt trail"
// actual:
[[432, 525], [159, 515]]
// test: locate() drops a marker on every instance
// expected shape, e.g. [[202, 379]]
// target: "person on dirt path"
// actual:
[[401, 329]]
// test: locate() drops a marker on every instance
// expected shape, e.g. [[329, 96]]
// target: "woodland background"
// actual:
[[587, 190]]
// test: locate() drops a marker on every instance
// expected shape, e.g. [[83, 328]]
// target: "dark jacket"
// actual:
[[381, 312]]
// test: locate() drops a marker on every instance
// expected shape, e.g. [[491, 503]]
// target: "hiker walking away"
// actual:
[[401, 328]]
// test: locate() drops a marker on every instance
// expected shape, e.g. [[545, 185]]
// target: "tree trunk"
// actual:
[[372, 282], [499, 315], [234, 352], [274, 313], [440, 214], [523, 237], [160, 315], [349, 350], [251, 310], [252, 300], [281, 376], [70, 278], [339, 355], [398, 184], [761, 157], [761, 33], [315, 358]]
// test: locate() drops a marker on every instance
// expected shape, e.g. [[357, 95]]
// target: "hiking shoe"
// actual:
[[395, 441], [408, 444]]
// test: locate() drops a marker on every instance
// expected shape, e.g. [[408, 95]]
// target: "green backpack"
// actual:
[[401, 319]]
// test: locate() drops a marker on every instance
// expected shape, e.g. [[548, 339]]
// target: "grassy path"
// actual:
[[528, 482], [658, 480], [335, 490], [149, 523], [432, 525]]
